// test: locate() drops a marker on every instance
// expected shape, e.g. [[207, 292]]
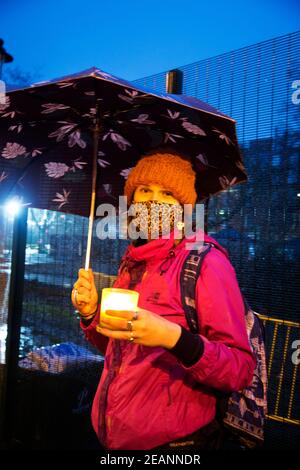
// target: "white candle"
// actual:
[[118, 299]]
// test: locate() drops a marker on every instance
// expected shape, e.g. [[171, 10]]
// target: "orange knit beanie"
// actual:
[[167, 170]]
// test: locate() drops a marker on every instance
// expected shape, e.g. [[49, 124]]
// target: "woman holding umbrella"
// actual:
[[156, 389]]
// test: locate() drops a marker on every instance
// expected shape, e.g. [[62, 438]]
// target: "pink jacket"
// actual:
[[152, 398]]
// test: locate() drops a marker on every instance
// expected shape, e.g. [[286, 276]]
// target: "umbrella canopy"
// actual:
[[50, 131]]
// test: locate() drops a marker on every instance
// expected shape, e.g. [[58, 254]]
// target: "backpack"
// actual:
[[241, 413]]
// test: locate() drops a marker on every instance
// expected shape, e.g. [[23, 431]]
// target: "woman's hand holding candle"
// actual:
[[149, 329]]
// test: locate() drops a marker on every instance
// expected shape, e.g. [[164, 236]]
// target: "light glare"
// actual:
[[12, 207]]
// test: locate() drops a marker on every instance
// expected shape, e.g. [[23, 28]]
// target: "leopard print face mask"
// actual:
[[154, 219]]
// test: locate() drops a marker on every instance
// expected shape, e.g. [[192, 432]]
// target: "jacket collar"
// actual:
[[160, 248]]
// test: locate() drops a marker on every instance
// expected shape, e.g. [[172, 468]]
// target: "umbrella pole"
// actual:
[[96, 133]]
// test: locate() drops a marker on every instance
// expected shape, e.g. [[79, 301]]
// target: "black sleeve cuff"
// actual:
[[188, 349]]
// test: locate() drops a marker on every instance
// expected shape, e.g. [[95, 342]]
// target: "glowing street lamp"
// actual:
[[12, 207]]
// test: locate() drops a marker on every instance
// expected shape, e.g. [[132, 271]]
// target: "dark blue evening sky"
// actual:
[[133, 39]]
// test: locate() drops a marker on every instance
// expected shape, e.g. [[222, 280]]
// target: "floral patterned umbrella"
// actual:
[[69, 144]]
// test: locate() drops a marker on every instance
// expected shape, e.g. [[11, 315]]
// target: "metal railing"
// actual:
[[283, 370]]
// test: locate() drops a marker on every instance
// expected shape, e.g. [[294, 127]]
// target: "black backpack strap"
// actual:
[[189, 276], [188, 279]]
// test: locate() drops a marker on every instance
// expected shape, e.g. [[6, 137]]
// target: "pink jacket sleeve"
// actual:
[[227, 362], [92, 335]]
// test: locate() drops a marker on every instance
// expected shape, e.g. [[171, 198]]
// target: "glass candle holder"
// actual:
[[117, 299]]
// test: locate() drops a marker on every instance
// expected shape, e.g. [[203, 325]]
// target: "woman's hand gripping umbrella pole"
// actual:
[[84, 294]]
